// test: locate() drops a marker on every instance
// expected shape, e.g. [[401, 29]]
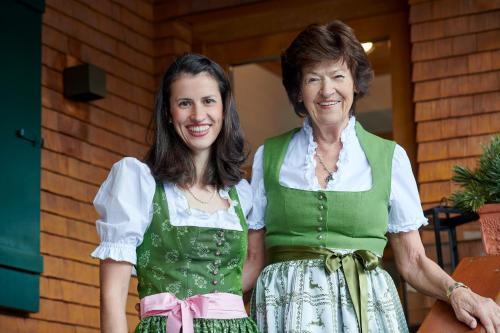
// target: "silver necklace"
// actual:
[[330, 173], [205, 202]]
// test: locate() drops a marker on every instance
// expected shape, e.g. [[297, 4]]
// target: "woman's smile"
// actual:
[[198, 130]]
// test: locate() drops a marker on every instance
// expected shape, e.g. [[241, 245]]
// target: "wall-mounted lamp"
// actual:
[[84, 82]]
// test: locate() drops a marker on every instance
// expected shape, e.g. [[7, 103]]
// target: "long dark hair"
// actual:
[[333, 41], [169, 158]]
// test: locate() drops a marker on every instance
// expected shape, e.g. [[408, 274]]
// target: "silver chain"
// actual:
[[330, 173]]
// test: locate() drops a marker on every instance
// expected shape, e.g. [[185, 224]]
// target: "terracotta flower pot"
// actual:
[[489, 220]]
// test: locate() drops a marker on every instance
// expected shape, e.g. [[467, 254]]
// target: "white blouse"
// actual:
[[125, 205], [353, 174]]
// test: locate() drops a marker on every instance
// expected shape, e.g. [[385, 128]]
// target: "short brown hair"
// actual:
[[333, 41]]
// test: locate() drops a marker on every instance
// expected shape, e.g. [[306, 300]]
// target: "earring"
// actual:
[[170, 121]]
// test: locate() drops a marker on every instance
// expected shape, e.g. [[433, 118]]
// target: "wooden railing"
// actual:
[[481, 274]]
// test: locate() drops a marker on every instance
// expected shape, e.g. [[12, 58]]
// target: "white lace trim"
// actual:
[[310, 161], [183, 215], [116, 251], [347, 135], [409, 225]]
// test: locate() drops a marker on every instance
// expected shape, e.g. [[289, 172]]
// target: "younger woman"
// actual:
[[179, 218]]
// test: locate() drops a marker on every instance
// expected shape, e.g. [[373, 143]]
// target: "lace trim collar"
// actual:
[[347, 135], [182, 206]]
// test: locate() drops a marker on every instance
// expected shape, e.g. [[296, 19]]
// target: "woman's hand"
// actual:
[[428, 278], [468, 306], [137, 308]]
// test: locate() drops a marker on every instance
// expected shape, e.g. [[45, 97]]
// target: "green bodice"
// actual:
[[187, 260], [332, 219]]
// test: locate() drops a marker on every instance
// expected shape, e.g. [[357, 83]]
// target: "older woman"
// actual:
[[180, 217], [330, 194]]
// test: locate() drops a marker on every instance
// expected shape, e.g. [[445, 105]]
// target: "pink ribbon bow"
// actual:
[[182, 312]]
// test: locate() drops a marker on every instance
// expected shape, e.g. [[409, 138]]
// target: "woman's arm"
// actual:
[[256, 251], [427, 277], [255, 259], [115, 279]]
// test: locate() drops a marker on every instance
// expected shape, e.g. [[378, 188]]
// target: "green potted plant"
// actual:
[[480, 193]]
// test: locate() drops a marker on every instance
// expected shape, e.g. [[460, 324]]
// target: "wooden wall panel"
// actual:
[[136, 54], [172, 38], [73, 168], [457, 86], [452, 148], [68, 207], [72, 271], [62, 312], [13, 324], [68, 228], [455, 26], [458, 127], [455, 55], [441, 170], [445, 108], [449, 8], [71, 188], [112, 104], [95, 136], [467, 64], [456, 76], [69, 146]]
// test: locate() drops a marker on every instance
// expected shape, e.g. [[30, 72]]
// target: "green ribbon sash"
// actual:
[[354, 265]]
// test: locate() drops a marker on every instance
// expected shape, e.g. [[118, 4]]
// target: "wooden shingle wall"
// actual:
[[83, 140], [172, 38], [456, 75]]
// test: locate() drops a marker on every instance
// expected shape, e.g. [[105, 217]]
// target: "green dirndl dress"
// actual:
[[297, 293], [187, 261]]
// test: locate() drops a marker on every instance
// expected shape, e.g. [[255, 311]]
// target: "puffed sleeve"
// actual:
[[405, 209], [256, 217], [124, 202]]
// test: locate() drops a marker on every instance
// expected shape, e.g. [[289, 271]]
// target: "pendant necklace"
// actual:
[[330, 173], [205, 202]]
